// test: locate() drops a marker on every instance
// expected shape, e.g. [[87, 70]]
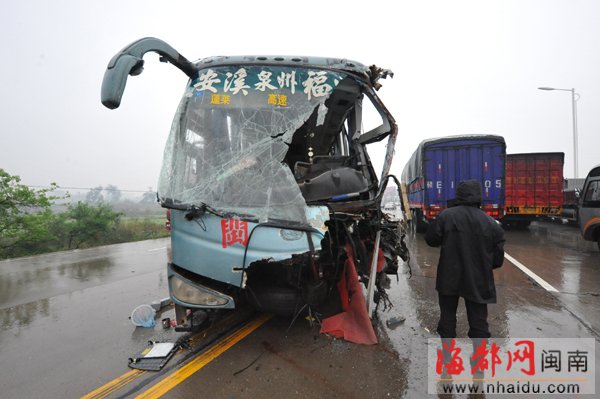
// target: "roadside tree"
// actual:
[[24, 214], [84, 225], [149, 196], [94, 196], [113, 194]]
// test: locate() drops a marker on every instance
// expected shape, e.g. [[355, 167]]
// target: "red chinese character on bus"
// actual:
[[527, 355], [480, 357], [233, 231], [455, 364]]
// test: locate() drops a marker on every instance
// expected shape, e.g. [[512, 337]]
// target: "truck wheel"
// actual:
[[420, 225], [413, 223], [523, 224]]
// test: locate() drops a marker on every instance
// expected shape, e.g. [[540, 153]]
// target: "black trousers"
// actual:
[[477, 314]]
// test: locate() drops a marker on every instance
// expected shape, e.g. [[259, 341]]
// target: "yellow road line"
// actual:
[[114, 385], [210, 330], [196, 364]]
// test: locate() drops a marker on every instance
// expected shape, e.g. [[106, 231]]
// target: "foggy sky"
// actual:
[[461, 67]]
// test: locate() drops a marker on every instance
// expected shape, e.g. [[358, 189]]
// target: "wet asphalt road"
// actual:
[[64, 317], [65, 330]]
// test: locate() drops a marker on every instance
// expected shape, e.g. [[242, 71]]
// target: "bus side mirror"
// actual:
[[115, 78], [129, 62]]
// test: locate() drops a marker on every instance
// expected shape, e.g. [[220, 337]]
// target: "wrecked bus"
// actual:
[[267, 179], [436, 167]]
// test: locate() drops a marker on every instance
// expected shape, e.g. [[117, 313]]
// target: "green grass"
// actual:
[[137, 229]]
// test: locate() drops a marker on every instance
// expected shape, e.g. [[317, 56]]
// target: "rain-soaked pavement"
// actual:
[[64, 316], [65, 330]]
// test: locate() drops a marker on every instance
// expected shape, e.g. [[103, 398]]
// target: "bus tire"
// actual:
[[277, 299]]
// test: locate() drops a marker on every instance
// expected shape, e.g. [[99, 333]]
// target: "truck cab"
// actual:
[[589, 207]]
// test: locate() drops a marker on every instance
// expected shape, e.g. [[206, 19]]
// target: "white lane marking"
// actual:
[[156, 249], [531, 274]]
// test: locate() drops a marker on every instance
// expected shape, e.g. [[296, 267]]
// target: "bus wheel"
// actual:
[[279, 300]]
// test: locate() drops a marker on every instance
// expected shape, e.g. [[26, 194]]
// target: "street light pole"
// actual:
[[574, 98], [575, 142]]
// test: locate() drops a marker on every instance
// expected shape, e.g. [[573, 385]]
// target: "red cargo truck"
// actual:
[[534, 187]]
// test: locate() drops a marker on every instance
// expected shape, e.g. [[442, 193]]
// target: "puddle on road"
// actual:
[[22, 315], [559, 255], [551, 234], [543, 323], [25, 280], [26, 285], [409, 339]]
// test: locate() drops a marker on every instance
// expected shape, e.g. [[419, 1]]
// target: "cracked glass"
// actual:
[[230, 136]]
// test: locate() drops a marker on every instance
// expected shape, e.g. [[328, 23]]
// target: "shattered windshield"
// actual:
[[230, 136]]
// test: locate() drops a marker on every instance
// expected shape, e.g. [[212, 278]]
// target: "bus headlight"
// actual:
[[194, 294]]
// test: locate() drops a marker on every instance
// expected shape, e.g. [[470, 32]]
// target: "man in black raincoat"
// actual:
[[472, 246]]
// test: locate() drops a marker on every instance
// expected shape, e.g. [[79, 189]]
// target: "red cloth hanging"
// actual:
[[380, 261], [353, 323]]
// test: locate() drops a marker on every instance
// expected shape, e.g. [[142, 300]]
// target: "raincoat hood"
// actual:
[[468, 192]]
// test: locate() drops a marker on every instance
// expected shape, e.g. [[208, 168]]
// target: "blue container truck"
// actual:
[[438, 165]]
